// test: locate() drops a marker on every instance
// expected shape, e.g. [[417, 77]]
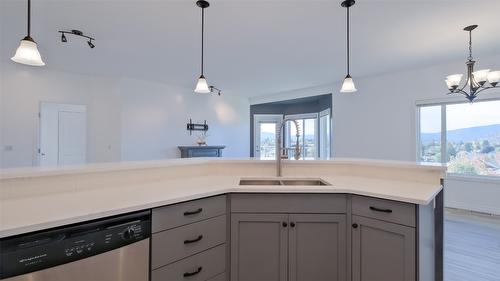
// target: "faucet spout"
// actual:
[[279, 147]]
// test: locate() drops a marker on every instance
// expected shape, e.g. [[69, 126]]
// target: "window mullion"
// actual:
[[444, 143]]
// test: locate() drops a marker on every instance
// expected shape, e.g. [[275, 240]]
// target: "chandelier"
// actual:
[[476, 80]]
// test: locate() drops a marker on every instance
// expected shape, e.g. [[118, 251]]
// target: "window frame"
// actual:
[[443, 102]]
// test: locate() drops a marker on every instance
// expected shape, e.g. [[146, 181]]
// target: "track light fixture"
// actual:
[[27, 52], [214, 89], [91, 45], [202, 84], [76, 33]]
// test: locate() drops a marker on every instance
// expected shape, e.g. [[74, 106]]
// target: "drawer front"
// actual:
[[288, 203], [204, 153], [386, 210], [220, 277], [178, 243], [185, 213], [200, 267]]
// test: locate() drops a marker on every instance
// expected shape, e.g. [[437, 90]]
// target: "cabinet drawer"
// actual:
[[200, 267], [288, 203], [178, 243], [386, 210], [185, 213]]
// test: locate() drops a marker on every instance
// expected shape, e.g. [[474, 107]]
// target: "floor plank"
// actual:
[[472, 247]]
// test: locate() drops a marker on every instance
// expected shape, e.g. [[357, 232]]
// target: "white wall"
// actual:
[[128, 119], [154, 118], [25, 87], [379, 121]]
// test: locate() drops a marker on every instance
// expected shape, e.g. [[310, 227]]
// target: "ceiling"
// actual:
[[253, 47]]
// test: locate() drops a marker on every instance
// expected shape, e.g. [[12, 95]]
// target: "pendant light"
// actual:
[[27, 52], [348, 85], [202, 85]]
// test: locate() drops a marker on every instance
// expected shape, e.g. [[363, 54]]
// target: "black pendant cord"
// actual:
[[348, 44], [29, 18], [202, 38]]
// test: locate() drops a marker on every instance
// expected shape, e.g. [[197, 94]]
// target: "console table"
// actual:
[[201, 151]]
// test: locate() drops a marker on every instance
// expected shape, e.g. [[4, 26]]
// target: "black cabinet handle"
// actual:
[[193, 240], [189, 274], [285, 224], [190, 213], [380, 210], [354, 225], [292, 224]]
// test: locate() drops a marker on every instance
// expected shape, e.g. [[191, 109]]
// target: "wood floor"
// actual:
[[472, 247]]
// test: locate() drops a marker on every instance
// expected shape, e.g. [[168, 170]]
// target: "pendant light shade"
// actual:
[[202, 86], [348, 85], [27, 53]]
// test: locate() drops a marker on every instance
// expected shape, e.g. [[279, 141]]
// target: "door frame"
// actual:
[[262, 118]]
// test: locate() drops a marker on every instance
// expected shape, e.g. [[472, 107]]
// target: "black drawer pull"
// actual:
[[380, 210], [292, 224], [193, 240], [354, 225], [189, 274], [285, 224], [190, 213]]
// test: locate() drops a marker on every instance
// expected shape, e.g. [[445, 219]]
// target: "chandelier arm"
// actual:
[[485, 88]]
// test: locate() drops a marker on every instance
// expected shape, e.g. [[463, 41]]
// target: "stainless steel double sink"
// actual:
[[284, 181]]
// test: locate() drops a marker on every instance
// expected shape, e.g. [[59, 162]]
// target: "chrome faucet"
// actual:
[[279, 148]]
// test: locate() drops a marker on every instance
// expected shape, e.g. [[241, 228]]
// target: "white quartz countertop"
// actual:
[[27, 212]]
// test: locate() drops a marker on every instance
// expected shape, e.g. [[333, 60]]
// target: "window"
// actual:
[[465, 136], [324, 134], [308, 139]]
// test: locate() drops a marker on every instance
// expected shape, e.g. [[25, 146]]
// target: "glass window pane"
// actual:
[[267, 140], [309, 148], [473, 138], [430, 133], [324, 138]]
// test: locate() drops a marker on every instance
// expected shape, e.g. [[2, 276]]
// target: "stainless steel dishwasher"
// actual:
[[110, 249]]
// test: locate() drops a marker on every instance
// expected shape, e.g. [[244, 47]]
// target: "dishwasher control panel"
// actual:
[[32, 252]]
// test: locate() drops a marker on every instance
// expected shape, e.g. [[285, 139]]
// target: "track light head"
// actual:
[[91, 45], [63, 38]]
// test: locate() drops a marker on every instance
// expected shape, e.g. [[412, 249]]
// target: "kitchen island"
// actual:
[[363, 198]]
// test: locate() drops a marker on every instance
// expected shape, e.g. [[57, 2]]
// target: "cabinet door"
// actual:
[[317, 247], [382, 251], [259, 245]]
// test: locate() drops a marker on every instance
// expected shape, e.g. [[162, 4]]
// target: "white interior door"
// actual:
[[63, 134], [265, 127]]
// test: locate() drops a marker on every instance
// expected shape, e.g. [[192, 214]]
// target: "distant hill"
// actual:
[[466, 134]]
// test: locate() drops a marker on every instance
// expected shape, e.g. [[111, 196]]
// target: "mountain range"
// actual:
[[490, 132]]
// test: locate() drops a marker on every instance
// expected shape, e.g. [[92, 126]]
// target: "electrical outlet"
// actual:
[[8, 148]]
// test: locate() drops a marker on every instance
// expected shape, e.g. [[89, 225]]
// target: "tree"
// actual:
[[468, 147]]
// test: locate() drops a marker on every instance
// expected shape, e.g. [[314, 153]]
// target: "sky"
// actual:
[[458, 116]]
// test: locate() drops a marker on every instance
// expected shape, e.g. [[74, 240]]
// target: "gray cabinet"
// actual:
[[259, 247], [281, 247], [317, 247], [382, 251]]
